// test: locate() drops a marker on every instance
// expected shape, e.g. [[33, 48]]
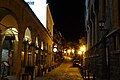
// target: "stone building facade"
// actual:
[[58, 45], [103, 39], [24, 41]]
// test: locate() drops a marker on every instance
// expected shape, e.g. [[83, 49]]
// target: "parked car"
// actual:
[[76, 63]]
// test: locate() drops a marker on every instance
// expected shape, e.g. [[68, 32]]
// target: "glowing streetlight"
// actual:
[[83, 48], [80, 52], [73, 50], [65, 52], [54, 49], [68, 50]]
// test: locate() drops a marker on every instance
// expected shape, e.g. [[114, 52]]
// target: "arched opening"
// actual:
[[8, 51], [9, 41], [26, 53], [36, 56]]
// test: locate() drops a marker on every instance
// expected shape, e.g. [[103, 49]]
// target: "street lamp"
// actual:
[[101, 24], [68, 52], [83, 49], [73, 50], [105, 32], [54, 49], [80, 52]]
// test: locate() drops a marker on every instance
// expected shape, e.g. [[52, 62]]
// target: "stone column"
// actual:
[[33, 48], [17, 60], [25, 53], [0, 50]]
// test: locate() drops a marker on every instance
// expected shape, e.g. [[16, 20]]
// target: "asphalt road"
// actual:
[[64, 72]]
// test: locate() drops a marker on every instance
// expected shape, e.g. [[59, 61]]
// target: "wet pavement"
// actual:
[[64, 72]]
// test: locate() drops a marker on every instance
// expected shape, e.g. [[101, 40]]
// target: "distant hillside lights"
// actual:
[[30, 2]]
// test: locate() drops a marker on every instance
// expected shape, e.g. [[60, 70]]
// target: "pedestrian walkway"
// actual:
[[64, 72]]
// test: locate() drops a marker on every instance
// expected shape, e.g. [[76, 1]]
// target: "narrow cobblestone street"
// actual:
[[64, 72]]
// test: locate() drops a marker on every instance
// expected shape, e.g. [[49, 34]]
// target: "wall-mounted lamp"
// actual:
[[54, 49], [101, 24]]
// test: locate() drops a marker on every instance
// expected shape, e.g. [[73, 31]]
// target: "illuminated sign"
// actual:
[[39, 8]]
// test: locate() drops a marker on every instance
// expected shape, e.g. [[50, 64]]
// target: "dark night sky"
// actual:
[[69, 18]]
